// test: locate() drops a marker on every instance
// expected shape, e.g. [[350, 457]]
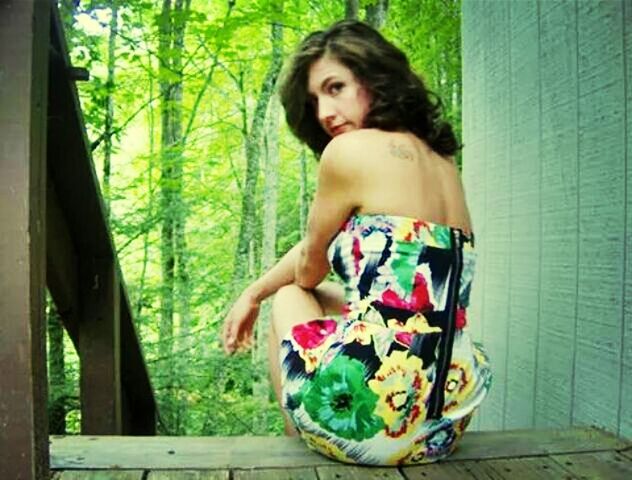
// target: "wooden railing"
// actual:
[[54, 233]]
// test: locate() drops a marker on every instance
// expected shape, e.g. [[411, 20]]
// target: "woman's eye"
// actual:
[[335, 88]]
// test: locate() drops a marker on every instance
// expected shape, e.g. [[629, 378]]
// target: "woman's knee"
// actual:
[[287, 292], [293, 305], [294, 300]]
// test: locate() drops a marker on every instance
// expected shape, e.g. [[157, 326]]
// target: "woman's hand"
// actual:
[[239, 323]]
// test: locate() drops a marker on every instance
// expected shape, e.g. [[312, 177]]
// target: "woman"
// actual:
[[397, 379]]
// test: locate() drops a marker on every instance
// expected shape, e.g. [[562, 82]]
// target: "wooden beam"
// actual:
[[61, 265], [140, 406], [70, 166], [24, 34], [100, 347], [82, 237]]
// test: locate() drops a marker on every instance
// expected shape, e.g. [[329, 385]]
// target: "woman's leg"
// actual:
[[275, 375], [291, 306], [331, 297]]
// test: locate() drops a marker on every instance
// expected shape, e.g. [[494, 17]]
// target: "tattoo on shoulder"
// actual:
[[401, 151]]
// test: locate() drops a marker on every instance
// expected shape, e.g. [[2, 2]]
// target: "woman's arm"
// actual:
[[241, 318], [240, 321], [281, 274], [306, 263], [338, 195]]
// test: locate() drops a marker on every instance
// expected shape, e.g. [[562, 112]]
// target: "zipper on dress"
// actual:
[[438, 397]]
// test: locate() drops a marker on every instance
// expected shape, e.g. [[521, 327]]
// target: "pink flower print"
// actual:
[[418, 224], [405, 338], [312, 334], [357, 254], [461, 320], [419, 299]]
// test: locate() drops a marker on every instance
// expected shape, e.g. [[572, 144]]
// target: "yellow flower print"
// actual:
[[313, 356], [311, 340], [361, 332], [415, 324], [404, 230], [360, 308], [403, 389], [458, 386], [325, 447]]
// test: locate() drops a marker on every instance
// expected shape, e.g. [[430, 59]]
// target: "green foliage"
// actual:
[[225, 57]]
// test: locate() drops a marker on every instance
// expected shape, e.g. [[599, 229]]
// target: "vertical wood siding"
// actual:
[[546, 127], [625, 403], [558, 214]]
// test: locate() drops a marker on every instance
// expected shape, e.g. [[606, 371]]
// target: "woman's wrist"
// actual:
[[258, 291], [253, 293]]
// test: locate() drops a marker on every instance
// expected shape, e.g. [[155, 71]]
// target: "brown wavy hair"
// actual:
[[399, 98]]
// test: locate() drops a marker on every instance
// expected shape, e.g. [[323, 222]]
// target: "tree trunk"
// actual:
[[179, 217], [247, 226], [352, 7], [261, 387], [57, 375], [167, 259], [109, 106], [171, 43], [376, 13], [150, 201]]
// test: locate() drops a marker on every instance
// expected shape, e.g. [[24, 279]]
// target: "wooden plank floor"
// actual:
[[574, 453]]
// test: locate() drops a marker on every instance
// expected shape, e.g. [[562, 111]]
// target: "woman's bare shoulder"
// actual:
[[361, 146], [348, 151]]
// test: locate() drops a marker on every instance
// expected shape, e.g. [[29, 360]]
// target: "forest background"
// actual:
[[204, 185]]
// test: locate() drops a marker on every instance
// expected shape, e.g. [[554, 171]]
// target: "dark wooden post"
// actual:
[[100, 348], [24, 41]]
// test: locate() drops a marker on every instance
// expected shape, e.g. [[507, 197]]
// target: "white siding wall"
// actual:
[[547, 89]]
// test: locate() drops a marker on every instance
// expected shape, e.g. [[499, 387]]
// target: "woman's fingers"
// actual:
[[244, 338], [235, 336], [228, 335], [238, 327]]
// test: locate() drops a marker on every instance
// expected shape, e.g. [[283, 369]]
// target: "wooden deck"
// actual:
[[584, 453]]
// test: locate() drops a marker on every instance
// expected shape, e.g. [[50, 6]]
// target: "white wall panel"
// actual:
[[524, 260], [547, 90], [559, 211]]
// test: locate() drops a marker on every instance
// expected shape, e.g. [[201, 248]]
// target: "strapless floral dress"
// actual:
[[397, 379]]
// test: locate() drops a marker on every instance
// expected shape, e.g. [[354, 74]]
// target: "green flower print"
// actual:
[[442, 235], [340, 402], [404, 264]]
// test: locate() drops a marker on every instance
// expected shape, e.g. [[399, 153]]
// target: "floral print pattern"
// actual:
[[339, 401], [403, 389], [397, 378]]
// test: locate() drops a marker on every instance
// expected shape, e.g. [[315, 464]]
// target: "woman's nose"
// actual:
[[325, 111]]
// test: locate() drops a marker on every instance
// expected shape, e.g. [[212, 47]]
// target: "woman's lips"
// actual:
[[339, 129]]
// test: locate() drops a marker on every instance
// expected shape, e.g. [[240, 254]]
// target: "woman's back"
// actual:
[[405, 177]]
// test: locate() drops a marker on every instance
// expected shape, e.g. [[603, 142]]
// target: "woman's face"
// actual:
[[340, 101]]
